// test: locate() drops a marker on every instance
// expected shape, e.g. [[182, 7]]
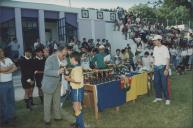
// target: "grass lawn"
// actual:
[[141, 114]]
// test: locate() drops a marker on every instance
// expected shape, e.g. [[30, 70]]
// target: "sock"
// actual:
[[26, 103], [30, 101], [79, 120], [42, 99]]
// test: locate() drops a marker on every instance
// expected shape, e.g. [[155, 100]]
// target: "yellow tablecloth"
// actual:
[[138, 87]]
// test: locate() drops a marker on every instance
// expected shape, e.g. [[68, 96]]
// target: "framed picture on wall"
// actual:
[[99, 15], [85, 13], [112, 16]]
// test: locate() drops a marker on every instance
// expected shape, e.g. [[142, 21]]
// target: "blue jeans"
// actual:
[[7, 101], [161, 82], [174, 61]]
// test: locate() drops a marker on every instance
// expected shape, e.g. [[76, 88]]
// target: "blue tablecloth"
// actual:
[[110, 95]]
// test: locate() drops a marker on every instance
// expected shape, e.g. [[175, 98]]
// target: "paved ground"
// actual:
[[19, 92]]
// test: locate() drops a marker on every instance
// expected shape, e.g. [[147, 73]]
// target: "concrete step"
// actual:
[[17, 81]]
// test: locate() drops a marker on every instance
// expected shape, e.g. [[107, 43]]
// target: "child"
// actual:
[[27, 77], [180, 69], [39, 62], [146, 61], [117, 57], [76, 82]]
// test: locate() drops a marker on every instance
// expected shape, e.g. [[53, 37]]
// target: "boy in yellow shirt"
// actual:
[[76, 82]]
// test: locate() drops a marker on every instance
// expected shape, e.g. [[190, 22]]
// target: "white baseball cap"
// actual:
[[157, 37], [101, 47]]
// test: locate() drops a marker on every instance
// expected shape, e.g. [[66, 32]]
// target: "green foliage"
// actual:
[[173, 10], [144, 11], [178, 13]]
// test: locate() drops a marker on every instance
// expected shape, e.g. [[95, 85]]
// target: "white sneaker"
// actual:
[[167, 102], [156, 100]]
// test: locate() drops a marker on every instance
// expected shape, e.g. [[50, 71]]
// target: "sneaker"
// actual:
[[157, 100], [167, 102]]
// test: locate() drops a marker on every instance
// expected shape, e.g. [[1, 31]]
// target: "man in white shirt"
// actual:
[[14, 49], [184, 55], [36, 44], [161, 69], [173, 53], [190, 54], [7, 97]]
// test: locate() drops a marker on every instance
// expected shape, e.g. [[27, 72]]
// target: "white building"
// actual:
[[30, 21]]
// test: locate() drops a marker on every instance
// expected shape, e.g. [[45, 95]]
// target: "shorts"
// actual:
[[26, 85], [77, 95]]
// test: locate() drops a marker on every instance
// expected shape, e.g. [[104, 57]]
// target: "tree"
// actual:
[[178, 13], [144, 11], [179, 5]]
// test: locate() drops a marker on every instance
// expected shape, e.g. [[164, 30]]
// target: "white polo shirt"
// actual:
[[184, 53], [161, 54], [190, 51], [6, 77], [173, 51], [146, 63]]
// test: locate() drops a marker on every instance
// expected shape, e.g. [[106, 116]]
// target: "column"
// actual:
[[61, 15], [61, 27], [93, 29], [41, 24], [18, 26]]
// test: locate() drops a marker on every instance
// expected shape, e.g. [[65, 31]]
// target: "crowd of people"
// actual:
[[179, 42]]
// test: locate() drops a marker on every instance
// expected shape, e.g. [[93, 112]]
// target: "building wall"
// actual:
[[84, 29], [100, 29], [91, 28]]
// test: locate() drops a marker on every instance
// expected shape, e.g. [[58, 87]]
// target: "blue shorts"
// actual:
[[77, 95]]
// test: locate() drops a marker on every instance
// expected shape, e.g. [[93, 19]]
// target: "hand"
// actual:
[[61, 71], [67, 78], [107, 62], [36, 72], [31, 82], [166, 72]]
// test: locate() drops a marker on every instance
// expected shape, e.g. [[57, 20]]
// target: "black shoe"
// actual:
[[74, 125], [29, 104], [31, 101], [58, 120], [47, 123], [41, 99]]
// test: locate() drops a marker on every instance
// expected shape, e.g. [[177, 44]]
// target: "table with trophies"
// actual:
[[112, 87]]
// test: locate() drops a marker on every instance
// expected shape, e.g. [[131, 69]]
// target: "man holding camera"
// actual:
[[51, 84]]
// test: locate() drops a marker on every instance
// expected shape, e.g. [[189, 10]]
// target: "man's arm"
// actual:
[[168, 63], [167, 55], [12, 68], [5, 69], [49, 70]]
